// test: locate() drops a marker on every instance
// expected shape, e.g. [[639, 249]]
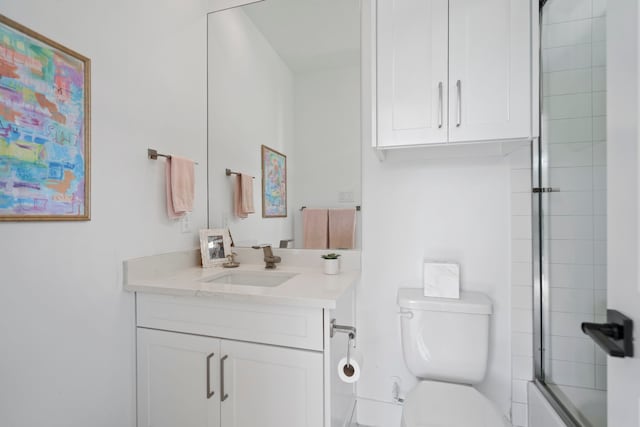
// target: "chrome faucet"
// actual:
[[269, 258]]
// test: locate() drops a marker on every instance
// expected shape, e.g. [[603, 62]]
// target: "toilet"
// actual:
[[445, 343]]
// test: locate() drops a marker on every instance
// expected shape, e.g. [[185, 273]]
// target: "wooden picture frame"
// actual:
[[274, 183], [215, 245], [45, 128]]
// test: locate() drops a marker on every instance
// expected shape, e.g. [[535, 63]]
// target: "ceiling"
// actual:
[[310, 34]]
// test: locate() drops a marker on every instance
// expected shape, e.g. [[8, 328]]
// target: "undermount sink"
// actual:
[[250, 278]]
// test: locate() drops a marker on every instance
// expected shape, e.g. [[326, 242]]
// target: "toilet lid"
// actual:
[[436, 404]]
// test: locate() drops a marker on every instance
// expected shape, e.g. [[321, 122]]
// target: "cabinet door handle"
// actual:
[[209, 391], [459, 88], [223, 395], [440, 105]]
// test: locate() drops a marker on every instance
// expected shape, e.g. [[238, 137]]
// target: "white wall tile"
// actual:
[[600, 178], [572, 300], [567, 82], [519, 415], [571, 276], [521, 204], [567, 33], [571, 179], [599, 79], [521, 274], [519, 391], [572, 374], [600, 153], [599, 54], [573, 154], [567, 130], [520, 158], [601, 356], [600, 302], [571, 203], [599, 29], [522, 297], [600, 227], [599, 202], [522, 321], [521, 227], [566, 58], [522, 368], [600, 276], [567, 106], [521, 181], [599, 8], [599, 128], [566, 10], [570, 349], [601, 377], [599, 100], [571, 251], [600, 252], [568, 324], [570, 226], [522, 344], [521, 250]]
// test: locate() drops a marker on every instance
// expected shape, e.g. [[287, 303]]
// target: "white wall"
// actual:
[[451, 209], [66, 325], [251, 104], [327, 135]]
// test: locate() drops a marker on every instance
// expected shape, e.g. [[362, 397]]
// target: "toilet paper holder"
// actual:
[[342, 329]]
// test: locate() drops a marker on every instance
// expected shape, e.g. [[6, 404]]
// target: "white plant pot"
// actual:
[[332, 266]]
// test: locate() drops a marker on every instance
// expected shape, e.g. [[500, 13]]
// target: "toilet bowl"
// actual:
[[437, 404], [445, 343]]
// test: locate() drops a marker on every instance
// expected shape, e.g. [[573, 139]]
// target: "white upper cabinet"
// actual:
[[412, 71], [479, 52]]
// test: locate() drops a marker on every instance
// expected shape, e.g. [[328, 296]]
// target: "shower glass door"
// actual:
[[571, 202]]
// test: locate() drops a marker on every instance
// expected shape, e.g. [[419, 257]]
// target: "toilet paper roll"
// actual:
[[350, 374]]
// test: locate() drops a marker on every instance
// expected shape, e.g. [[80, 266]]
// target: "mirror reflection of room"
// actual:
[[285, 74]]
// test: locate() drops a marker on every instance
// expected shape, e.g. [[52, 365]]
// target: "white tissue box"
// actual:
[[441, 279]]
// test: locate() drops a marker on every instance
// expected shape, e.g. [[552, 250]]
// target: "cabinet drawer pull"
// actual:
[[223, 395], [459, 89], [440, 105], [209, 391]]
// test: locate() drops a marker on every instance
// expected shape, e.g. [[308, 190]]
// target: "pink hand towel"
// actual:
[[243, 196], [315, 228], [342, 228], [180, 187]]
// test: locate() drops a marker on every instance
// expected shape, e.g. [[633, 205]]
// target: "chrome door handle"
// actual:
[[223, 395], [209, 391], [440, 105], [459, 89]]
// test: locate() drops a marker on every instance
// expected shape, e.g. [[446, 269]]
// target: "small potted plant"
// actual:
[[331, 263]]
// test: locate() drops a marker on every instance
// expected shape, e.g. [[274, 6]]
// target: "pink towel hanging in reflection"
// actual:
[[342, 228], [315, 228], [180, 186], [243, 196]]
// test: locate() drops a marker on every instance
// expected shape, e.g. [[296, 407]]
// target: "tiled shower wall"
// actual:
[[574, 128]]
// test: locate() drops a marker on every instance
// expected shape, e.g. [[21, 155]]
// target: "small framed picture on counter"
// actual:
[[215, 245]]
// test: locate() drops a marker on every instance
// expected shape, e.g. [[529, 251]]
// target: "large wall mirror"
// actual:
[[284, 74]]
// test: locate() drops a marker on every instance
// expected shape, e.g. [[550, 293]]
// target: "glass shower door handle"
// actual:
[[545, 190], [615, 337]]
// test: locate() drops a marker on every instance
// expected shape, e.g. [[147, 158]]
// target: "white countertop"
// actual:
[[310, 287]]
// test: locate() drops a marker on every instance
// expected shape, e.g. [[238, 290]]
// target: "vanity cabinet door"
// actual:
[[490, 70], [270, 386], [412, 72], [173, 390]]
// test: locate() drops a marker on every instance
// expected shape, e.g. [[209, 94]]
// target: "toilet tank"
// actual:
[[445, 339]]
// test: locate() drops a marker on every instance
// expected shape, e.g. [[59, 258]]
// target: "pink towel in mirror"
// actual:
[[315, 228], [243, 196], [342, 228]]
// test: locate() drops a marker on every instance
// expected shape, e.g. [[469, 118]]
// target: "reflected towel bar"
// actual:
[[153, 155], [358, 208], [229, 172]]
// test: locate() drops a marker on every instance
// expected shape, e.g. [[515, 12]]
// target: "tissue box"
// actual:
[[441, 279]]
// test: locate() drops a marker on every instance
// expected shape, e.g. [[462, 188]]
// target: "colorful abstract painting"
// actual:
[[44, 128], [274, 183]]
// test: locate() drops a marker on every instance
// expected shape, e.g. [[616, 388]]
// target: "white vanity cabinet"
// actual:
[[451, 71], [209, 362]]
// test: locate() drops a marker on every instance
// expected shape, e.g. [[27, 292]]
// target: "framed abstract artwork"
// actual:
[[274, 183], [44, 128]]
